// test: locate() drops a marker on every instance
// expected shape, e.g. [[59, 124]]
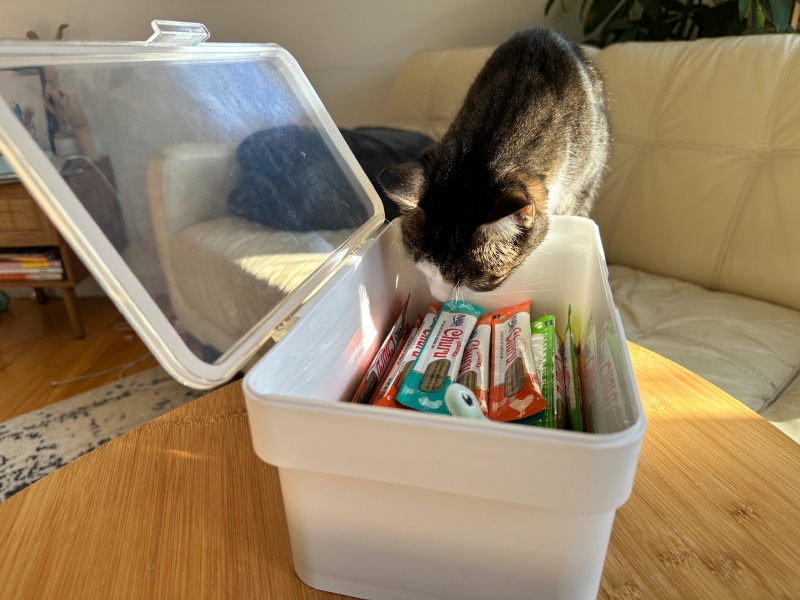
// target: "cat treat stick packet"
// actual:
[[516, 393], [572, 380], [382, 396], [474, 372], [437, 365], [382, 360], [589, 376], [616, 412], [387, 395], [549, 361]]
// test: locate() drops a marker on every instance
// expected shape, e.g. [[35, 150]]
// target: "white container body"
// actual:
[[395, 504]]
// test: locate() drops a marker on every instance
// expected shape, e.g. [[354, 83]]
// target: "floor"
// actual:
[[37, 347]]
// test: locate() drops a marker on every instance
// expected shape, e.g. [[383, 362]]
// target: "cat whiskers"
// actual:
[[458, 291]]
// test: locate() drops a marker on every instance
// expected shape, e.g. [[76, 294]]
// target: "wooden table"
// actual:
[[182, 508]]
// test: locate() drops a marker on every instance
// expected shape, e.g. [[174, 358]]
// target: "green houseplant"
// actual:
[[609, 21]]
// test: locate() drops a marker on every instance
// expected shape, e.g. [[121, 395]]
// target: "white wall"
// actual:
[[349, 49]]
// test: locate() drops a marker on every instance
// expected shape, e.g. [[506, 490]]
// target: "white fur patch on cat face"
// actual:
[[439, 288]]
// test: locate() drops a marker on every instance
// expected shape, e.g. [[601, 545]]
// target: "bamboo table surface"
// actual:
[[181, 507]]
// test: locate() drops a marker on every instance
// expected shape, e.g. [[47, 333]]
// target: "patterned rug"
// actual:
[[37, 443]]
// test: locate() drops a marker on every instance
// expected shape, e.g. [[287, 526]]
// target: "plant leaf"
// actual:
[[619, 25], [548, 6], [718, 20], [599, 11], [627, 36], [743, 6], [651, 8], [781, 13], [758, 17]]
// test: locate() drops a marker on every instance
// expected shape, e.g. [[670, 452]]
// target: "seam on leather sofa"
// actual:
[[654, 331], [639, 153], [645, 145], [785, 385], [782, 82], [669, 309], [737, 150], [733, 220], [732, 360], [763, 152]]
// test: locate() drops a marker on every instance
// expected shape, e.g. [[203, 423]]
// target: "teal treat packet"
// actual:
[[572, 380], [437, 365], [549, 360]]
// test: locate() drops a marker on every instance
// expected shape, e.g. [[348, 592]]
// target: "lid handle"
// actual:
[[178, 33]]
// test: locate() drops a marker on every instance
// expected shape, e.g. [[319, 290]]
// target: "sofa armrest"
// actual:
[[189, 183]]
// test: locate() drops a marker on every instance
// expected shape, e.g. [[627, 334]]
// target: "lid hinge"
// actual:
[[178, 33]]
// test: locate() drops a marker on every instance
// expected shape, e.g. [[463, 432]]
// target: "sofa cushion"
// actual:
[[785, 414], [747, 347]]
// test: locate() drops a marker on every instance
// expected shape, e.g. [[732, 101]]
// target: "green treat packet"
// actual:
[[549, 361], [437, 365], [572, 380]]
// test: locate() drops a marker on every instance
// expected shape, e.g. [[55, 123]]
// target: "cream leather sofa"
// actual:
[[698, 214], [700, 206]]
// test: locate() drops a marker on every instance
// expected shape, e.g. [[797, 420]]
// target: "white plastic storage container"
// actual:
[[380, 503], [385, 503]]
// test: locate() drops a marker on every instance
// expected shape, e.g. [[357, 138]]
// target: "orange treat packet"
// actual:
[[382, 360], [474, 371], [516, 393]]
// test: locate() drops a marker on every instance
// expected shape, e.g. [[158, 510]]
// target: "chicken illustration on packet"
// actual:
[[516, 393]]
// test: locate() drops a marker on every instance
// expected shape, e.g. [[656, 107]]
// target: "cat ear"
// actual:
[[404, 183], [512, 202]]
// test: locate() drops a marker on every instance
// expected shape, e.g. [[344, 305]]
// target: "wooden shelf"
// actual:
[[24, 225]]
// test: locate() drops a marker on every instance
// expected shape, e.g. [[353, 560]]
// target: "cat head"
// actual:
[[464, 226]]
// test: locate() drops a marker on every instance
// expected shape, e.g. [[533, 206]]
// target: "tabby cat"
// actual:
[[530, 140]]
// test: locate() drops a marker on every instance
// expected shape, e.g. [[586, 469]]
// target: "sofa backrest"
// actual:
[[703, 181], [704, 175], [430, 87]]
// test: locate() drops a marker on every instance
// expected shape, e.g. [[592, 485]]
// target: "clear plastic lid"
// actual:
[[205, 187]]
